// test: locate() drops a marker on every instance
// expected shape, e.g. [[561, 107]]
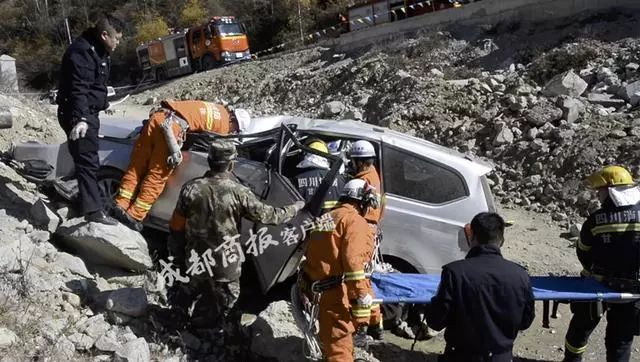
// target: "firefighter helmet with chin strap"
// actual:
[[610, 176], [360, 190]]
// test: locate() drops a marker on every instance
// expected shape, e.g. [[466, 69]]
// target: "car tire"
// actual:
[[208, 62], [109, 179]]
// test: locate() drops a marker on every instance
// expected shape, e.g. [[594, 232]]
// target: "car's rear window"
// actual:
[[406, 174]]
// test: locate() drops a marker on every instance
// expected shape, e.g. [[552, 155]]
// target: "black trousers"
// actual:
[[622, 325], [84, 152]]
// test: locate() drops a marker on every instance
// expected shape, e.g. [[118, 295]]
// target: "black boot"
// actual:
[[123, 216], [376, 332], [100, 218]]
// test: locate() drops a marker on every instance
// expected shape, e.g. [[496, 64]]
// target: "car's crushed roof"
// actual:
[[123, 127]]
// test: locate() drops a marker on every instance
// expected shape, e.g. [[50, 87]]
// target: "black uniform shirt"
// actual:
[[82, 91], [310, 179], [483, 301], [609, 242]]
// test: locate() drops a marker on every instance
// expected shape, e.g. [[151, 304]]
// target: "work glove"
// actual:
[[298, 205], [366, 299], [78, 131], [108, 109], [174, 159]]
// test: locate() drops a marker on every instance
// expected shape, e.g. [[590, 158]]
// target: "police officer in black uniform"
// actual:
[[314, 169], [609, 250], [483, 300], [82, 94]]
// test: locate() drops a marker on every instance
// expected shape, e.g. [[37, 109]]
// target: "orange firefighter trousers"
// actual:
[[344, 250], [336, 325], [148, 171]]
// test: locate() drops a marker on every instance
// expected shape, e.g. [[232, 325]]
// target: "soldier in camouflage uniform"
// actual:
[[205, 229]]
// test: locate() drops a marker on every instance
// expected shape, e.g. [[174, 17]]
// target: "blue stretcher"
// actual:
[[420, 288]]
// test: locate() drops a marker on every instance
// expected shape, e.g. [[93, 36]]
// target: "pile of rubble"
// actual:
[[545, 119], [32, 121]]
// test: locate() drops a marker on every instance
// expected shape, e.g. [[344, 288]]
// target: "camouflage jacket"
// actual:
[[213, 208]]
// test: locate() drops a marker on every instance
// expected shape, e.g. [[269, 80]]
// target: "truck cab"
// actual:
[[223, 40]]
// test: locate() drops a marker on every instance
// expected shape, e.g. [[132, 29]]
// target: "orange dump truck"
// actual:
[[221, 41]]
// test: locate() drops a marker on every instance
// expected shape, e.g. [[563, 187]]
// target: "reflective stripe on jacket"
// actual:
[[344, 251]]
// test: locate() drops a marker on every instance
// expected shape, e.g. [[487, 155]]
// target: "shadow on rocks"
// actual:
[[391, 352], [11, 199]]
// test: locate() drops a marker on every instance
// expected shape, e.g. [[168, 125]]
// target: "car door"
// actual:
[[280, 259], [427, 203]]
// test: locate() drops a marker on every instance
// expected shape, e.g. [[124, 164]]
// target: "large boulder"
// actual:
[[631, 93], [129, 301], [7, 337], [276, 335], [116, 246], [333, 108], [567, 84], [571, 108], [542, 113], [44, 217], [16, 252], [605, 100], [134, 351]]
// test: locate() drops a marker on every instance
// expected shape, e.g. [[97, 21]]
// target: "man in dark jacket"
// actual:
[[82, 94], [609, 250], [483, 300], [314, 169]]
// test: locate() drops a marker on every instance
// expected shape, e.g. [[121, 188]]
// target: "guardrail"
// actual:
[[482, 12]]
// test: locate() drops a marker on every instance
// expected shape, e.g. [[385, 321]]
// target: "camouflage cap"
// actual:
[[222, 151]]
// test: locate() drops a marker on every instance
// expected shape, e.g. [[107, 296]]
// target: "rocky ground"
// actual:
[[547, 103]]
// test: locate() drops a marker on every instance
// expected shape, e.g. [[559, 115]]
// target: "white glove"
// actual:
[[174, 159], [78, 131], [365, 300], [298, 205]]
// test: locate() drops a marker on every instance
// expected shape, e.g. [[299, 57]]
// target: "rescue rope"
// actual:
[[311, 346]]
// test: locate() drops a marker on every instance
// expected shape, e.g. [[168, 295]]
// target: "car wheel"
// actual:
[[161, 75], [109, 179], [208, 62]]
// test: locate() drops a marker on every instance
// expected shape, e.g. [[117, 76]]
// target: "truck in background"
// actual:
[[221, 41]]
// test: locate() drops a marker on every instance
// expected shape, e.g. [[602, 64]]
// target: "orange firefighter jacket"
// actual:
[[202, 116], [345, 250], [371, 176]]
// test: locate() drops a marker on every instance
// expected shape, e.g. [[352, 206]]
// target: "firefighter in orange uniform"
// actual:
[[334, 268], [363, 157], [156, 152]]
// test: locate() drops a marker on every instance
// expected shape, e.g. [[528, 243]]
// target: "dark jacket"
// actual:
[[609, 242], [483, 301], [82, 90], [310, 179]]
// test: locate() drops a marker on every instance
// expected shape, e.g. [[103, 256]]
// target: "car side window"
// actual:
[[408, 175]]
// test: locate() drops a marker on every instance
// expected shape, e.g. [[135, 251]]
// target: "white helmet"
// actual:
[[243, 118], [354, 189], [334, 147], [362, 149]]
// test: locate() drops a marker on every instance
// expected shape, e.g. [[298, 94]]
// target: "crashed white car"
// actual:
[[431, 191]]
